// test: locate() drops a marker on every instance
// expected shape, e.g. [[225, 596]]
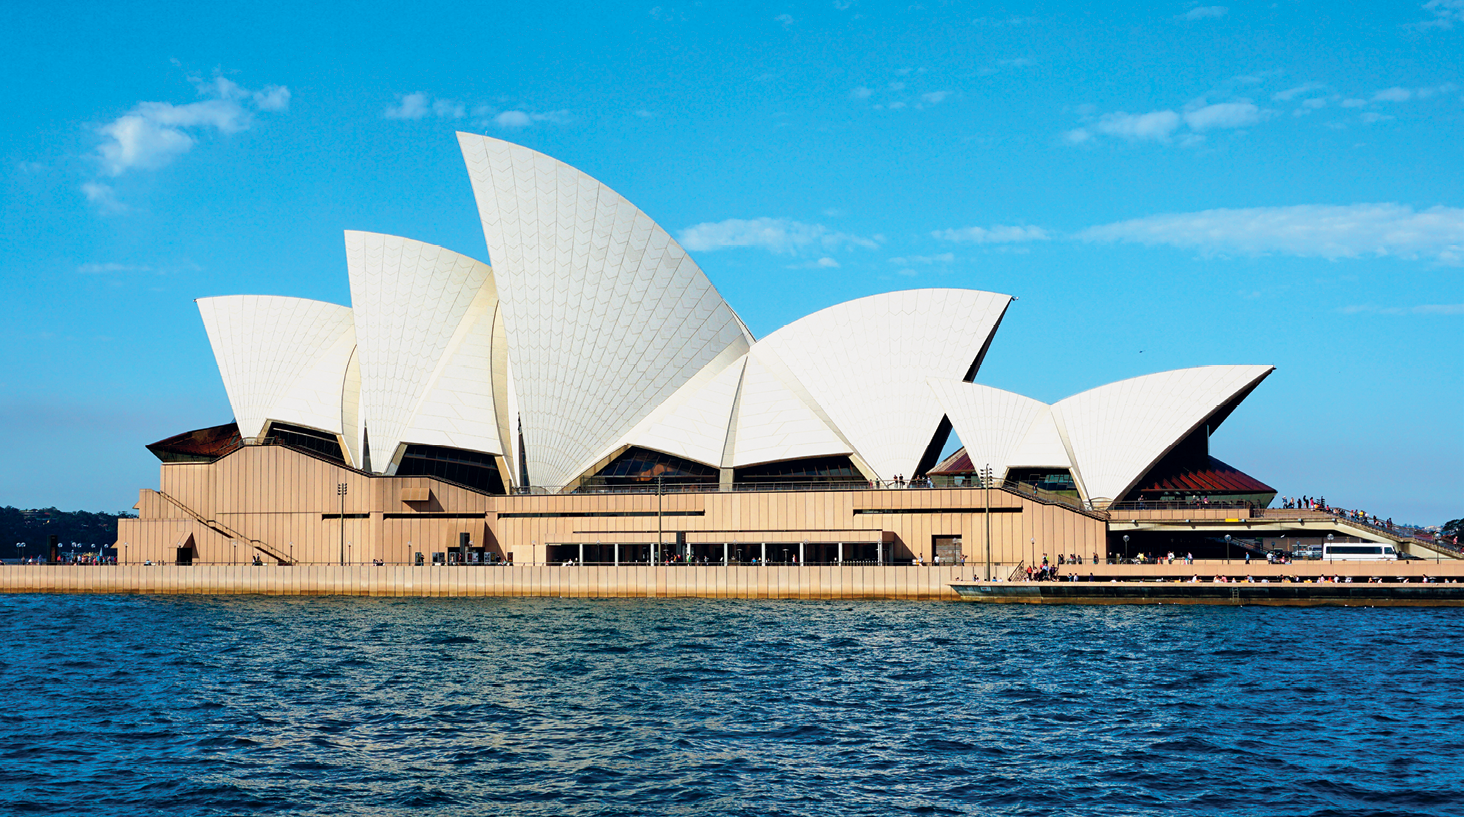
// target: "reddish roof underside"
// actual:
[[1216, 478]]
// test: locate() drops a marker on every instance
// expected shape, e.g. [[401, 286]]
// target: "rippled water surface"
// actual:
[[177, 705]]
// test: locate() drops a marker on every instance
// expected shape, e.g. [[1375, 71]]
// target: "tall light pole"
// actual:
[[1126, 547], [987, 498], [1228, 547], [341, 492]]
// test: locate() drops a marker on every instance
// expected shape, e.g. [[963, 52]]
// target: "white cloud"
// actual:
[[823, 263], [1393, 95], [777, 235], [1223, 115], [861, 92], [1304, 88], [152, 134], [1156, 125], [645, 114], [1077, 136], [109, 267], [1354, 103], [420, 106], [786, 19], [896, 86], [935, 97], [1443, 14], [1205, 13], [911, 260], [996, 234], [1310, 230], [410, 106], [103, 196], [515, 120], [1421, 309]]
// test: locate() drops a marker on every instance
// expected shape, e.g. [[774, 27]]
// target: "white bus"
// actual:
[[1359, 552]]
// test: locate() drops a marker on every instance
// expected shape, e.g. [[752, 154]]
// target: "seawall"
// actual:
[[735, 582], [910, 582]]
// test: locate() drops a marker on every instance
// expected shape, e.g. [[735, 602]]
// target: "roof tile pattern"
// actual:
[[1117, 432], [605, 314], [991, 423], [457, 409], [775, 422], [866, 363], [266, 345], [409, 300], [693, 423]]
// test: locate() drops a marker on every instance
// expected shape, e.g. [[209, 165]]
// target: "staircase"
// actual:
[[228, 532]]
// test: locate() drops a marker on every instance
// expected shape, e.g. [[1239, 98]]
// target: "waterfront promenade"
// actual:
[[906, 582]]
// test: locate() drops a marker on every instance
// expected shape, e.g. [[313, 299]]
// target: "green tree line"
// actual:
[[34, 526]]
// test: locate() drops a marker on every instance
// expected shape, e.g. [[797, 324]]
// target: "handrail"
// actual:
[[225, 530]]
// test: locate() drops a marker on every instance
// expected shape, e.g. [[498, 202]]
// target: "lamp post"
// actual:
[[292, 553], [1228, 547], [235, 543], [20, 551], [987, 499], [1126, 547], [1330, 541], [348, 548], [341, 492]]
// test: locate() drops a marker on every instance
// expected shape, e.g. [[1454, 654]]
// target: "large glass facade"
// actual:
[[811, 470], [642, 467], [321, 442], [472, 469]]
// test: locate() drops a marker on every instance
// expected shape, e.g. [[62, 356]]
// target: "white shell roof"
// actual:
[[412, 303], [606, 315], [866, 363], [1041, 446], [1117, 432], [693, 423], [776, 421], [280, 358], [991, 423]]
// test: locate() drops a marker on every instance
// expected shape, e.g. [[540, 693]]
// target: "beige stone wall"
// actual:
[[288, 501]]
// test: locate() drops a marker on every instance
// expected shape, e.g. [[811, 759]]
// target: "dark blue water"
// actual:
[[135, 705]]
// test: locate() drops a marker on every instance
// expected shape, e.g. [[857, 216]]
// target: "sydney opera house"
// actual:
[[588, 395]]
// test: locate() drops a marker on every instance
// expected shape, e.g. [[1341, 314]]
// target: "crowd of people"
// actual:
[[1310, 503]]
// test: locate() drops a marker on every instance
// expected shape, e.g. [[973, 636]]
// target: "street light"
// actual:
[[20, 551], [1126, 547], [341, 492], [1228, 547], [292, 553]]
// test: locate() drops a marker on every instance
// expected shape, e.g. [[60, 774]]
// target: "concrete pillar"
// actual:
[[763, 558], [615, 550], [801, 554], [839, 556], [724, 554], [880, 553], [582, 553]]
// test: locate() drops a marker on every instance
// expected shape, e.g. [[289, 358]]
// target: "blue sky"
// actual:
[[1162, 185]]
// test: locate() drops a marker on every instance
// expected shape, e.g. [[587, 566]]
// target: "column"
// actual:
[[839, 555], [763, 558]]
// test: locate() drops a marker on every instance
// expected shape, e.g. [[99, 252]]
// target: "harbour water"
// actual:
[[333, 705]]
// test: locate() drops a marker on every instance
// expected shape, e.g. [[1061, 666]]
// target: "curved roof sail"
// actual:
[[1117, 432], [991, 423], [280, 358], [606, 316], [866, 363], [423, 327]]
